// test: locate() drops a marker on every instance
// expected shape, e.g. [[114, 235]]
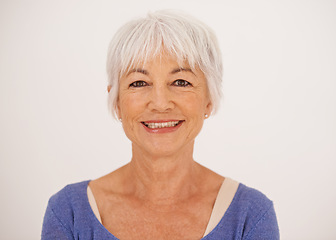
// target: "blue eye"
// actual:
[[181, 83], [138, 84]]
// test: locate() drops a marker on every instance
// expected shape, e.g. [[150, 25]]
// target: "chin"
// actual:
[[168, 149]]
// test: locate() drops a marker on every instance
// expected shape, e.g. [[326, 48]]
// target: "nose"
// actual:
[[161, 99]]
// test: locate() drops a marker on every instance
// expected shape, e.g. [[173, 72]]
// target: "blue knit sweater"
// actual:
[[69, 216]]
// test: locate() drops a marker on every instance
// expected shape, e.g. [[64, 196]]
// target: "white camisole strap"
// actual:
[[224, 198], [93, 203], [223, 201]]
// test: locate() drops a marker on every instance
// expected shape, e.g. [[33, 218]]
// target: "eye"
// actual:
[[138, 84], [181, 83]]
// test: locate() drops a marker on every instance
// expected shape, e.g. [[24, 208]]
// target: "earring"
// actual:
[[206, 116], [120, 119]]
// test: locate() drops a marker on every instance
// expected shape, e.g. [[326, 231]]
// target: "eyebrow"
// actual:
[[145, 72], [177, 70]]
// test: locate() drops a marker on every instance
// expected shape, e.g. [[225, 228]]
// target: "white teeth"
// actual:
[[162, 125]]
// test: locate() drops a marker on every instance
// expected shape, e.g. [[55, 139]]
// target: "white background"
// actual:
[[275, 130]]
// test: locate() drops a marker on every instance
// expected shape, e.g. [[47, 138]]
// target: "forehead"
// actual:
[[162, 54], [164, 61]]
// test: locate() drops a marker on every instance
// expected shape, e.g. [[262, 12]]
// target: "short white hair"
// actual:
[[180, 35]]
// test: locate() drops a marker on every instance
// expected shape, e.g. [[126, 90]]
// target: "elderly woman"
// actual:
[[164, 80]]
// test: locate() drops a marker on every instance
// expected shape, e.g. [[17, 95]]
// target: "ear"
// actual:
[[208, 108], [109, 88], [117, 109]]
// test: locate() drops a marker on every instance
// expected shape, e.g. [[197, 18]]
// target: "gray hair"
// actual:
[[180, 35]]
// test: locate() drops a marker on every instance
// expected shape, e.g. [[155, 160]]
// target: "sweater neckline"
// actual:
[[103, 228]]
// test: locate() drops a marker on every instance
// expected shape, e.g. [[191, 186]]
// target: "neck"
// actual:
[[164, 180]]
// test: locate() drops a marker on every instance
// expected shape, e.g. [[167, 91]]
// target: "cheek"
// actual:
[[129, 110], [129, 106], [194, 103]]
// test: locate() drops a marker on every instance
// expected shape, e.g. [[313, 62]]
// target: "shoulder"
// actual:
[[256, 212], [66, 201], [63, 207], [248, 205], [252, 198], [68, 194]]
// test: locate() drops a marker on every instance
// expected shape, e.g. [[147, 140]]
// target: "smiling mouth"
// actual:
[[169, 124]]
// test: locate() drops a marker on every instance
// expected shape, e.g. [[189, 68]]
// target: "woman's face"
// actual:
[[162, 106]]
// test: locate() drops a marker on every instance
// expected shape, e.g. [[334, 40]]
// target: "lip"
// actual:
[[162, 130], [162, 121]]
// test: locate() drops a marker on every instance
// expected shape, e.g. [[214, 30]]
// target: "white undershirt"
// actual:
[[223, 200]]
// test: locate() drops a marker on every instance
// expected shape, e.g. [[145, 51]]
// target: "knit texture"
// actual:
[[69, 215]]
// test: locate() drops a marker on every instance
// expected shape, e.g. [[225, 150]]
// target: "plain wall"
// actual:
[[275, 130]]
